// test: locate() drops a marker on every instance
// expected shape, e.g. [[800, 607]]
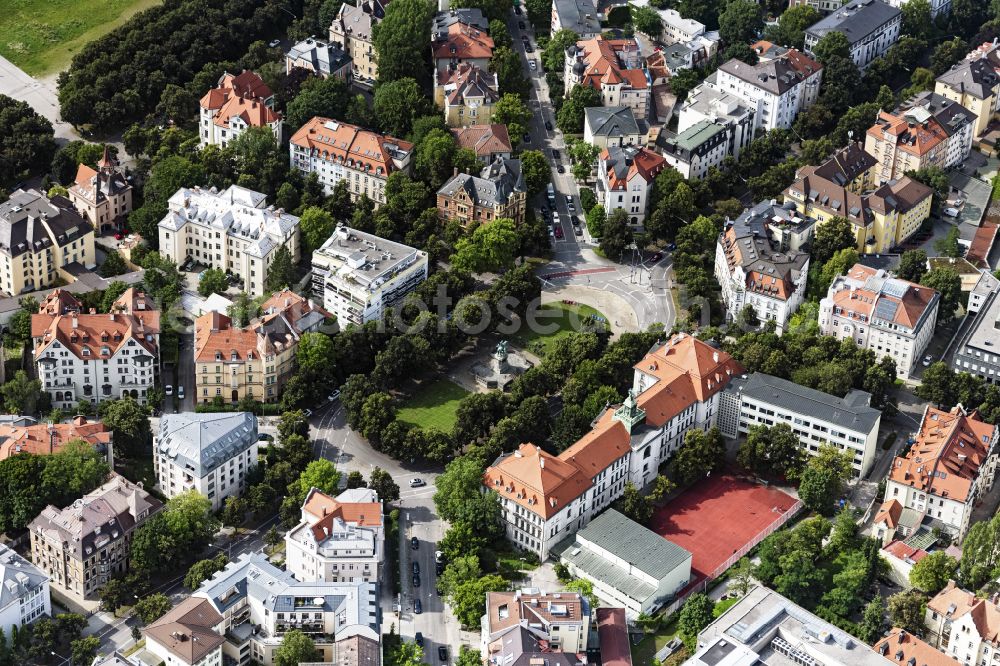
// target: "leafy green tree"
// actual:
[[398, 103], [616, 235], [21, 395], [536, 171], [912, 265], [571, 114], [506, 64], [151, 608], [740, 22], [824, 478], [938, 385], [26, 141], [596, 220], [468, 657], [701, 453], [459, 497], [917, 19], [932, 572], [832, 236], [741, 576], [980, 561], [792, 24], [320, 474], [466, 600], [212, 281], [491, 247], [202, 570], [947, 54], [401, 40], [384, 486], [696, 614], [634, 505], [296, 648], [113, 265], [906, 610], [647, 21], [130, 423], [946, 281], [511, 111], [554, 53], [872, 621], [234, 512], [281, 272], [83, 650], [773, 451], [316, 226], [832, 45], [168, 539]]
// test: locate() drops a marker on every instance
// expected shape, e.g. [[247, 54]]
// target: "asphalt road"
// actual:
[[41, 95]]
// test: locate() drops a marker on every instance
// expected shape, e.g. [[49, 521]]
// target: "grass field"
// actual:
[[433, 406], [40, 36], [569, 318]]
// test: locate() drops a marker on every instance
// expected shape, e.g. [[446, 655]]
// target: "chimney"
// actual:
[[541, 462], [75, 321]]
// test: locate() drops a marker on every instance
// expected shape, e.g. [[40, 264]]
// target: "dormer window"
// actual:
[[104, 337], [218, 356]]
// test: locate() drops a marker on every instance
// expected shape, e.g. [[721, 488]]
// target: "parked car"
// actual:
[[265, 437], [520, 24], [560, 168], [575, 221], [559, 232], [526, 137], [517, 10], [414, 543], [950, 212], [334, 396], [180, 392], [656, 257], [439, 568], [671, 246], [418, 607], [274, 42], [417, 482], [532, 65], [548, 125], [308, 413], [928, 360], [418, 638], [168, 390], [443, 653], [578, 231], [528, 48], [416, 568], [555, 154], [416, 580]]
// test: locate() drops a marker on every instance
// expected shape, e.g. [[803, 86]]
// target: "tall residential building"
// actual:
[[324, 59], [339, 540], [977, 350], [360, 276], [753, 270], [937, 6], [488, 142], [605, 126], [461, 44], [871, 27], [96, 357], [778, 89], [734, 114], [337, 151], [102, 195], [547, 498], [46, 438], [881, 218], [580, 16], [964, 626], [260, 603], [209, 453], [697, 149], [84, 545], [467, 94], [824, 6], [849, 423], [927, 130], [24, 591], [42, 241], [353, 31], [612, 67], [975, 84], [231, 230], [256, 360], [625, 177], [497, 192], [948, 469], [238, 102], [529, 624]]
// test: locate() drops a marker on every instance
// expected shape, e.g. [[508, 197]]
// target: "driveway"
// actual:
[[41, 95]]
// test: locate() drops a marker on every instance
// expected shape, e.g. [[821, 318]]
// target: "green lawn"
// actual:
[[568, 318], [433, 405], [644, 651], [40, 36]]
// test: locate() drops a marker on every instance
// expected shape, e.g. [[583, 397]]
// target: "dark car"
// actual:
[[416, 568], [578, 231], [528, 48], [418, 638], [526, 138], [575, 221], [671, 246], [560, 168], [559, 232], [415, 543], [555, 154], [520, 25], [416, 580], [656, 257], [517, 10], [439, 568], [442, 653], [418, 607], [548, 125]]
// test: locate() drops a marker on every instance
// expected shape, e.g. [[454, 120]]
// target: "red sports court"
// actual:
[[718, 516]]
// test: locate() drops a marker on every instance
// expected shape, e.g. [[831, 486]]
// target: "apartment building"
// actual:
[[187, 635], [339, 539], [259, 603], [103, 195], [938, 7], [233, 230], [852, 168], [210, 453], [614, 68], [547, 498], [927, 130], [530, 624], [882, 218], [849, 423], [606, 126], [736, 116], [949, 467], [697, 149], [629, 566], [471, 17], [47, 438], [823, 6], [625, 177], [24, 591], [353, 32], [889, 316], [359, 276], [580, 16], [324, 59], [754, 270], [337, 151], [41, 240], [488, 142], [871, 27], [778, 89], [467, 94], [497, 192], [975, 84], [84, 545], [462, 44], [96, 357], [677, 29], [978, 349], [238, 102], [963, 626]]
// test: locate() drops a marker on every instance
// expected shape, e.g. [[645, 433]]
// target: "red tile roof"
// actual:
[[485, 140], [901, 551], [243, 95], [603, 67], [132, 317], [359, 148], [889, 513], [538, 481], [910, 137], [464, 42], [861, 300], [623, 164], [42, 439], [612, 634], [982, 243], [901, 647]]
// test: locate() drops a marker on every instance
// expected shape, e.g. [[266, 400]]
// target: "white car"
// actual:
[[532, 65], [928, 360], [274, 42], [417, 482], [180, 392], [168, 390], [334, 396], [951, 212]]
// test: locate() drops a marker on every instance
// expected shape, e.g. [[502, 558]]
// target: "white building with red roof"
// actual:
[[614, 68], [625, 177], [964, 626], [336, 151], [96, 357], [462, 44], [548, 498], [339, 539], [102, 195], [885, 314], [949, 467], [239, 101]]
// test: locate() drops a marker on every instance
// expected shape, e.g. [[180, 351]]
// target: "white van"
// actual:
[[951, 212]]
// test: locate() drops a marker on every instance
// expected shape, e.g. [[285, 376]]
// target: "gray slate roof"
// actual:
[[612, 121], [18, 577], [325, 57], [626, 539], [202, 442], [851, 412], [443, 20], [495, 184], [857, 19], [976, 77], [21, 222]]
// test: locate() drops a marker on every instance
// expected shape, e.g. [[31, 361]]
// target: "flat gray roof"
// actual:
[[851, 412]]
